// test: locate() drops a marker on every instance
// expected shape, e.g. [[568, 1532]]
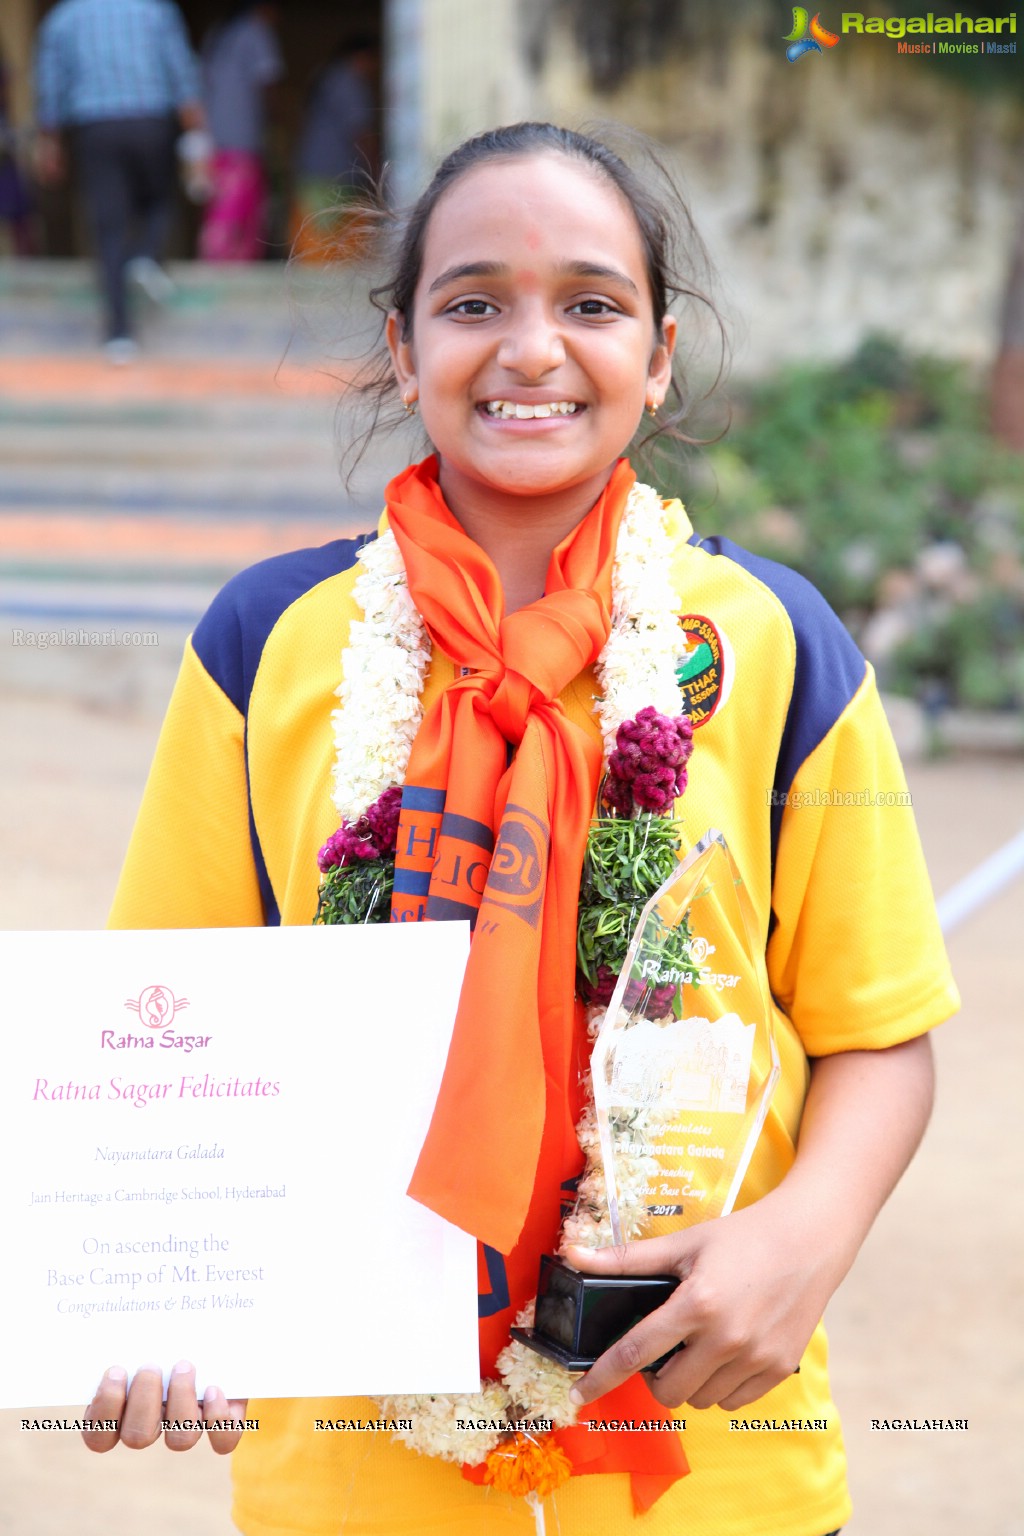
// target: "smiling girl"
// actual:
[[529, 323]]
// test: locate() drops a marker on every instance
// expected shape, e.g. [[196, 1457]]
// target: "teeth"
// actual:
[[508, 410]]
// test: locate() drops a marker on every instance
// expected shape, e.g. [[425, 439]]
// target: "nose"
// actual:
[[532, 345]]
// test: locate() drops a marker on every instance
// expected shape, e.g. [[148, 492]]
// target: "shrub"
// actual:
[[878, 479]]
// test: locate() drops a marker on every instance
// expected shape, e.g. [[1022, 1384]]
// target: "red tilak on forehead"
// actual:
[[528, 281]]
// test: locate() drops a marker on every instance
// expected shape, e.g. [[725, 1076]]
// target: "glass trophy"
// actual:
[[683, 1068]]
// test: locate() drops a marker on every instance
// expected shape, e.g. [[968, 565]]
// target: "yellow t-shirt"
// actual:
[[792, 760]]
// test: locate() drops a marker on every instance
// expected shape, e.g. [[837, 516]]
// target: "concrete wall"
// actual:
[[847, 193]]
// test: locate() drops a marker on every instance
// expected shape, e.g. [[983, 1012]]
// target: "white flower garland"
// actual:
[[637, 666], [386, 660], [383, 670]]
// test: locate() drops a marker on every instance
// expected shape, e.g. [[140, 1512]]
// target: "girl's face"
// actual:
[[533, 348]]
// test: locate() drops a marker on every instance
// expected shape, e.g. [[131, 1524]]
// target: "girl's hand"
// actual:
[[141, 1413], [755, 1283], [49, 161], [750, 1297]]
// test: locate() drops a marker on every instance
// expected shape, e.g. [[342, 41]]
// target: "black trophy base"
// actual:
[[579, 1316]]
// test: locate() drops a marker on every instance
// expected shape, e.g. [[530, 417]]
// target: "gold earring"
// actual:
[[410, 405], [652, 408]]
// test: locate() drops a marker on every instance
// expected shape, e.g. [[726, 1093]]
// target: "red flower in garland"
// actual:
[[647, 770], [371, 837]]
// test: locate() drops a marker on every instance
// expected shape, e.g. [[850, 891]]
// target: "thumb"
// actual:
[[671, 1255]]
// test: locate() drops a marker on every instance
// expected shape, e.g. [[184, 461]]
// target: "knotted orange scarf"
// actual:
[[497, 801], [494, 767]]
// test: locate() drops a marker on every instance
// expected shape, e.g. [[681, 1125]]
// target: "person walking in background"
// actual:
[[120, 79], [338, 152], [241, 63]]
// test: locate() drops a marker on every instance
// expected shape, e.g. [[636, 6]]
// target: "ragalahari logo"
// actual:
[[800, 42], [156, 1006]]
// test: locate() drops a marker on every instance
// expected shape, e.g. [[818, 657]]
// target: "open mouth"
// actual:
[[516, 410]]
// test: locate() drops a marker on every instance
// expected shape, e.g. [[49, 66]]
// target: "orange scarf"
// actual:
[[475, 839], [495, 765]]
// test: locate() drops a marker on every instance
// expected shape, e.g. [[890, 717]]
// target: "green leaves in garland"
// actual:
[[356, 893]]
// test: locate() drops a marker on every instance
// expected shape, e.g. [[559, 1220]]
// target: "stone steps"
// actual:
[[240, 310], [129, 495]]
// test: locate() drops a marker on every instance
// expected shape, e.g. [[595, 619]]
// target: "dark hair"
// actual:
[[661, 235]]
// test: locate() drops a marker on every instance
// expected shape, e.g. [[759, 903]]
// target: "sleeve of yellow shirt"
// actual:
[[855, 958], [190, 862]]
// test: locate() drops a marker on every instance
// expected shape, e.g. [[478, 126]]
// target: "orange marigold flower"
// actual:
[[525, 1465]]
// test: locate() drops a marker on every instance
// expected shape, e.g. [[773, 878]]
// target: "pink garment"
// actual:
[[233, 220]]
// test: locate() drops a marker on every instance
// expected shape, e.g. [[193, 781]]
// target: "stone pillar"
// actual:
[[452, 68], [404, 66], [16, 32], [476, 73]]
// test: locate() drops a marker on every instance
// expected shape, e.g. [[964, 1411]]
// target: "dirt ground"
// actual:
[[928, 1323]]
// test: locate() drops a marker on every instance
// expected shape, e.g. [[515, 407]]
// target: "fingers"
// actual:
[[229, 1416], [635, 1351], [139, 1415], [698, 1374], [709, 1369], [142, 1419], [750, 1390], [182, 1409], [650, 1256], [703, 1381], [107, 1405], [659, 1333]]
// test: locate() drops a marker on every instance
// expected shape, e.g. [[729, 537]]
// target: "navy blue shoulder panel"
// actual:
[[829, 667], [230, 637]]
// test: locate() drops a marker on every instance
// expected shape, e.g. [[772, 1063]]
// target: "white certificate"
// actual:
[[206, 1139]]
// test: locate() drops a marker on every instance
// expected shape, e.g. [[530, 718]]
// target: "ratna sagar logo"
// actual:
[[156, 1006], [807, 37]]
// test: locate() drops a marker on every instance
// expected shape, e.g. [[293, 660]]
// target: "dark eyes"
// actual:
[[482, 309], [594, 309], [472, 309]]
